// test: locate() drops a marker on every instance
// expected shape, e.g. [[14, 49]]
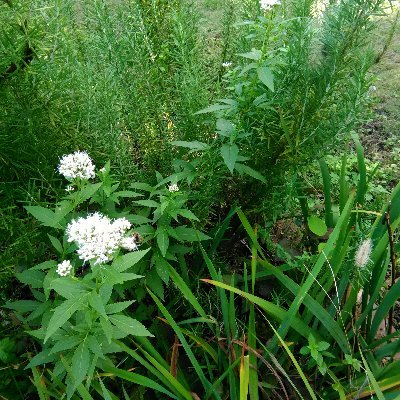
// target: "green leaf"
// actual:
[[118, 307], [22, 306], [56, 244], [266, 77], [162, 269], [186, 234], [45, 216], [44, 265], [107, 328], [80, 363], [63, 313], [122, 263], [254, 54], [88, 191], [187, 214], [155, 283], [129, 325], [41, 358], [34, 278], [96, 302], [225, 127], [163, 241], [244, 169], [194, 145], [147, 203], [229, 153], [65, 343], [68, 287], [317, 225], [137, 219], [213, 108]]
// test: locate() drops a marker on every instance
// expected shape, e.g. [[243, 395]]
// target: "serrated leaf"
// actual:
[[129, 325], [56, 244], [155, 283], [34, 278], [225, 127], [94, 346], [66, 343], [68, 287], [45, 216], [137, 219], [147, 203], [187, 214], [44, 265], [22, 306], [88, 191], [162, 269], [186, 234], [107, 328], [80, 363], [63, 313], [97, 303], [163, 241], [141, 186], [126, 261], [229, 153], [317, 225], [41, 358], [266, 77], [244, 169], [118, 307]]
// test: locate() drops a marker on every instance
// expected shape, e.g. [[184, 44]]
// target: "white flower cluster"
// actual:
[[76, 165], [226, 64], [266, 5], [173, 188], [98, 237], [363, 253], [64, 268]]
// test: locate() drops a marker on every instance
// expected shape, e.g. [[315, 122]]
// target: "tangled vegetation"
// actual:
[[190, 214]]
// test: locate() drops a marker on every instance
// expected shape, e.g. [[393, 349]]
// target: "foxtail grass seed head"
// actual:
[[64, 268], [173, 188], [362, 255], [98, 237], [266, 5], [76, 165]]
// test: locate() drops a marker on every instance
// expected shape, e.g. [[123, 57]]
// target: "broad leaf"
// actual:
[[266, 77], [129, 325], [63, 313], [317, 225], [230, 153]]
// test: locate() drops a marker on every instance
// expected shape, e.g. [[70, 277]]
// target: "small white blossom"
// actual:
[[69, 188], [266, 5], [173, 188], [226, 64], [362, 255], [97, 236], [372, 88], [64, 268], [129, 243], [76, 165], [102, 170]]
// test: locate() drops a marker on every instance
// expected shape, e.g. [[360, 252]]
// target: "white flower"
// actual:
[[173, 188], [266, 5], [226, 64], [362, 255], [102, 170], [76, 165], [69, 188], [97, 236], [64, 268], [129, 243]]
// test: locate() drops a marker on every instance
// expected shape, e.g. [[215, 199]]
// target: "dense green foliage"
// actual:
[[234, 241]]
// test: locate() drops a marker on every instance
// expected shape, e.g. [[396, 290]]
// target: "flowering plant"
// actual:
[[76, 312]]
